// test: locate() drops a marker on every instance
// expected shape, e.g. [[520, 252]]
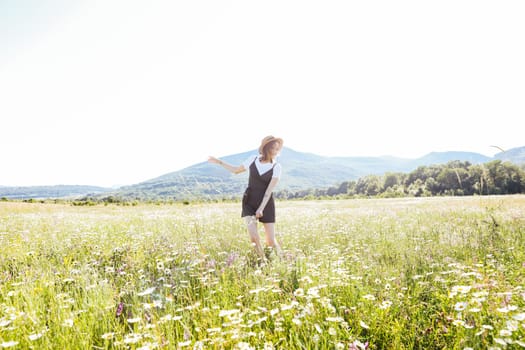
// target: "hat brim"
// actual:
[[275, 139]]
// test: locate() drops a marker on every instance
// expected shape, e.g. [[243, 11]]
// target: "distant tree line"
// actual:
[[456, 178]]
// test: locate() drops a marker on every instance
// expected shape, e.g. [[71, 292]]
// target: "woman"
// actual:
[[257, 202]]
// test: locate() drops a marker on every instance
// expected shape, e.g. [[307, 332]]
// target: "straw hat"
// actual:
[[269, 139]]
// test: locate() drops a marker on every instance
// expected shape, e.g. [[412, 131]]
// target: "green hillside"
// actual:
[[300, 171], [514, 155]]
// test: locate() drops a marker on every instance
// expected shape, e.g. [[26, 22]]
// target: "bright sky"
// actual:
[[102, 92]]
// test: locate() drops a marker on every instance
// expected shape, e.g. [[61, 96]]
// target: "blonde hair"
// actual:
[[265, 154]]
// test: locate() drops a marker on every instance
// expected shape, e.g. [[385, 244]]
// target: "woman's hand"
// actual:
[[258, 213], [231, 168]]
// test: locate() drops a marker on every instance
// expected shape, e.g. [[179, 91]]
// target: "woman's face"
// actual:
[[275, 148]]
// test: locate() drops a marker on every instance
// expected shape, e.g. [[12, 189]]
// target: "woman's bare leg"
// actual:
[[251, 224], [269, 229]]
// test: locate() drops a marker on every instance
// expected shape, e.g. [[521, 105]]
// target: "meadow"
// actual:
[[413, 273]]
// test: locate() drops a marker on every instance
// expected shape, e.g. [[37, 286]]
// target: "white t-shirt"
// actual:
[[263, 167]]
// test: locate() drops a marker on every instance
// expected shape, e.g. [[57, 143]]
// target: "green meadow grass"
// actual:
[[429, 273]]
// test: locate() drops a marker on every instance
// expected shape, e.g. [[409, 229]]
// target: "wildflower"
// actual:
[[9, 344], [507, 309], [505, 333], [187, 336], [364, 325], [512, 325], [120, 309], [68, 323], [184, 343], [213, 330], [268, 346], [289, 307], [503, 309], [458, 323], [318, 328], [146, 292], [500, 341], [306, 279], [132, 338], [244, 346], [357, 345], [70, 301], [109, 335], [133, 320], [297, 321], [231, 259], [460, 306], [519, 317], [35, 336], [228, 313], [257, 291], [335, 319], [171, 318], [332, 331], [260, 320], [299, 292], [459, 289], [385, 304], [148, 346], [313, 292], [369, 297], [480, 294]]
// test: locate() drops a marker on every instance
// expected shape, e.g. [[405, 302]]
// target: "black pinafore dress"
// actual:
[[253, 196]]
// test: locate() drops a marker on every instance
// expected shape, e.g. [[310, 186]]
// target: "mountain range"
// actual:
[[300, 171]]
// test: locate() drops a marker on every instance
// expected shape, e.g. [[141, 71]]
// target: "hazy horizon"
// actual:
[[117, 185]]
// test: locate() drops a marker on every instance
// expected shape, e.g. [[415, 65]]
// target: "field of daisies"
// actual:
[[417, 273]]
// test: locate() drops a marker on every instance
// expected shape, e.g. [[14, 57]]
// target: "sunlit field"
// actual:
[[429, 273]]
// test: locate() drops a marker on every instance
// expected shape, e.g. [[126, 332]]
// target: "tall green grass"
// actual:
[[429, 273]]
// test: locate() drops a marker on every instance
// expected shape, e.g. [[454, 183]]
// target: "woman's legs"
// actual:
[[269, 229], [251, 224]]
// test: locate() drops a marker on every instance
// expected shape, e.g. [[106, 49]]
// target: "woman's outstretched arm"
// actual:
[[231, 168]]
